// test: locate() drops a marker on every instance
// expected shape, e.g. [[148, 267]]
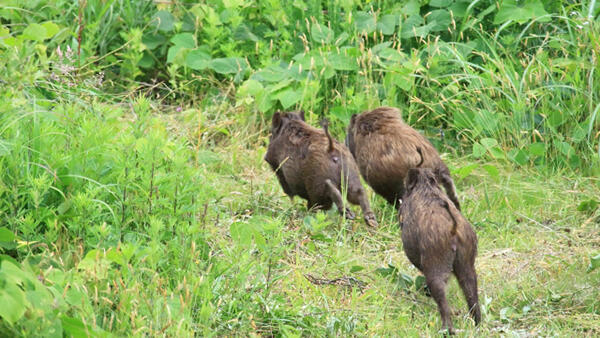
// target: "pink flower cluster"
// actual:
[[65, 73]]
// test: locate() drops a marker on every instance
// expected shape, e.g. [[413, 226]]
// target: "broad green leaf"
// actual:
[[488, 142], [491, 170], [459, 8], [340, 113], [411, 27], [230, 65], [341, 39], [243, 33], [185, 40], [440, 3], [278, 86], [342, 62], [487, 120], [163, 21], [478, 150], [51, 29], [197, 59], [12, 296], [380, 46], [250, 87], [555, 118], [153, 40], [537, 149], [392, 54], [11, 41], [146, 61], [13, 302], [466, 170], [385, 272], [74, 327], [260, 241], [35, 32], [64, 206], [6, 235], [420, 282], [274, 73], [95, 263], [518, 156], [289, 97], [565, 148], [404, 280], [40, 298], [175, 52], [497, 152], [241, 233], [412, 7], [115, 256], [399, 76], [588, 206], [327, 72], [356, 268], [233, 3], [7, 239], [387, 24], [520, 11], [321, 33], [575, 161], [365, 22], [440, 20], [594, 263], [422, 31]]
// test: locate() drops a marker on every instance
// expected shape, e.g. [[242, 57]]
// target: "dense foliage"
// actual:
[[133, 198]]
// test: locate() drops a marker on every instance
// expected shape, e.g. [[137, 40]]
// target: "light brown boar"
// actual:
[[385, 148], [309, 163], [438, 240]]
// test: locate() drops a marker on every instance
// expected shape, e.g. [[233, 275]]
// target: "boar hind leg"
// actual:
[[467, 279], [336, 197], [437, 285]]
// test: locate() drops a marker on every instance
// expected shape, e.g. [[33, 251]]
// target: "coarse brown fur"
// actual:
[[309, 163], [438, 240], [385, 148]]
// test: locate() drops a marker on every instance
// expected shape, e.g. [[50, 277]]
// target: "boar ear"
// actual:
[[276, 123], [301, 113], [276, 120], [433, 181], [411, 179], [353, 119]]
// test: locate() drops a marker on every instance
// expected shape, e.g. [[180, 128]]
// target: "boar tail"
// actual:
[[454, 222], [420, 154]]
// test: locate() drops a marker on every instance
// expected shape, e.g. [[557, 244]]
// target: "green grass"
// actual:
[[229, 257]]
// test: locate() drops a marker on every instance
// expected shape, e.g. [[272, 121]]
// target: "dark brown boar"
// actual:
[[309, 163], [385, 148], [438, 240]]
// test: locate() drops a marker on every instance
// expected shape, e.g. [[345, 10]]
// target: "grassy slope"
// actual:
[[533, 251], [238, 267]]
